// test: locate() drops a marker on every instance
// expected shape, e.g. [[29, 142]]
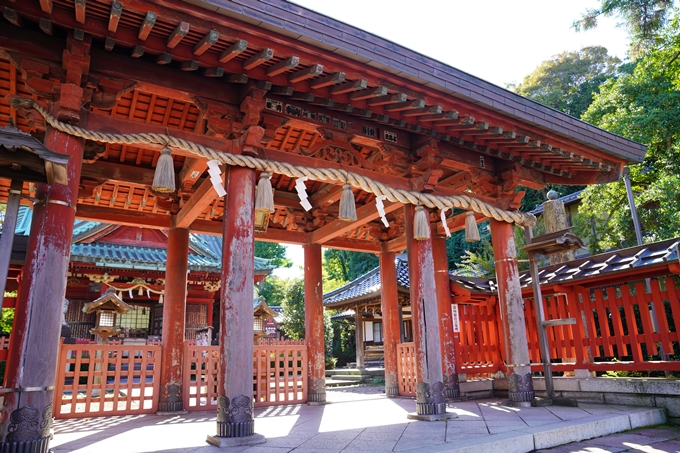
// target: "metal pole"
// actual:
[[540, 317]]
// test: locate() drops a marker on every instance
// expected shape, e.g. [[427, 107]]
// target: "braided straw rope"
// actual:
[[292, 171]]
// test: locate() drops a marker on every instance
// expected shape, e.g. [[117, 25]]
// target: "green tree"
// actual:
[[644, 19], [272, 251], [293, 309], [345, 266], [643, 105], [274, 290], [6, 320], [568, 81]]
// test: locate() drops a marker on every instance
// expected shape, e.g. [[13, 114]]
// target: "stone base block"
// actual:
[[431, 417], [516, 403], [182, 412], [225, 442], [647, 418], [318, 403]]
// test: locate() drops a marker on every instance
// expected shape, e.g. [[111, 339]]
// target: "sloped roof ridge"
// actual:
[[354, 282]]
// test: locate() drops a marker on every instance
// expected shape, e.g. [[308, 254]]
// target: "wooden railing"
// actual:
[[615, 327], [97, 380], [279, 375], [406, 369], [479, 340], [4, 346]]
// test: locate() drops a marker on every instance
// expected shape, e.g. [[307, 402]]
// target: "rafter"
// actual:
[[199, 201]]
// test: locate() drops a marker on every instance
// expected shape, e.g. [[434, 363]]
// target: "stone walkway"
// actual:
[[359, 421]]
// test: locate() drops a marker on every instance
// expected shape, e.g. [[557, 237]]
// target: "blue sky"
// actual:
[[500, 41]]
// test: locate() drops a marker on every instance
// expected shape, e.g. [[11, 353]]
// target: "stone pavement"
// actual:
[[363, 422]]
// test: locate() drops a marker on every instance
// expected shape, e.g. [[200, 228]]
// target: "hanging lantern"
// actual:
[[348, 210], [421, 225], [471, 230], [164, 177]]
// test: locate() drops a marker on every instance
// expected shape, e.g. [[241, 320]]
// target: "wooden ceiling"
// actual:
[[187, 74]]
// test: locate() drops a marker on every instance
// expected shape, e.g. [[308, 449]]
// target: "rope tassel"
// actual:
[[471, 230], [421, 225], [348, 210], [164, 177], [264, 198]]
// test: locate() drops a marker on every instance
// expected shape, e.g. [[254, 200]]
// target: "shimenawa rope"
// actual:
[[316, 174]]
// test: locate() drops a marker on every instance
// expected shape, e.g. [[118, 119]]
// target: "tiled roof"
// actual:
[[367, 284], [567, 199], [335, 36], [644, 256], [639, 257], [207, 256]]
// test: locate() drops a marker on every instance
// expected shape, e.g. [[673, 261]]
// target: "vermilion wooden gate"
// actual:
[[406, 369], [95, 380], [279, 375]]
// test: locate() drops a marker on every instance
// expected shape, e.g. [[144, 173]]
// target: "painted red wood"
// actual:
[[96, 380], [406, 356], [314, 332], [389, 301]]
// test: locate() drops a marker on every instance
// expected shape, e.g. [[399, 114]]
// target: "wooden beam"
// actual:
[[388, 99], [122, 217], [354, 245], [178, 34], [189, 65], [349, 86], [408, 105], [199, 201], [365, 214], [435, 117], [80, 10], [164, 58], [396, 244], [420, 112], [283, 66], [109, 43], [283, 91], [233, 50], [192, 169], [236, 78], [327, 194], [306, 73], [328, 80], [208, 40], [137, 52], [46, 6], [368, 94], [147, 25], [12, 17], [114, 18], [114, 125], [46, 26], [258, 59], [213, 72]]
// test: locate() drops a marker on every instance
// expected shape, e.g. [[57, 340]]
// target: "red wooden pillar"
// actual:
[[391, 324], [235, 383], [174, 314], [314, 332], [448, 340], [520, 384], [34, 349], [430, 387]]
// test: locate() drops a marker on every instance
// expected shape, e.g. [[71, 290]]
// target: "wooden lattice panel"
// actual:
[[280, 374], [97, 380], [199, 384], [406, 369]]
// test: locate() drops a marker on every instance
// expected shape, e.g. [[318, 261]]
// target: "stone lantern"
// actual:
[[107, 307]]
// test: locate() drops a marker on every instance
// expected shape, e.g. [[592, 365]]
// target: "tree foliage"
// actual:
[[293, 308], [644, 19], [345, 266], [643, 105], [568, 81], [272, 251]]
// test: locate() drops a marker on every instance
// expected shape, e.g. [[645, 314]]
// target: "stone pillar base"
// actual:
[[235, 429], [167, 407], [452, 393], [225, 442], [316, 397], [392, 391], [431, 418], [40, 445], [520, 388], [430, 408]]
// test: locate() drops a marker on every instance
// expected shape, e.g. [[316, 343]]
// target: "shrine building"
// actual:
[[168, 115]]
